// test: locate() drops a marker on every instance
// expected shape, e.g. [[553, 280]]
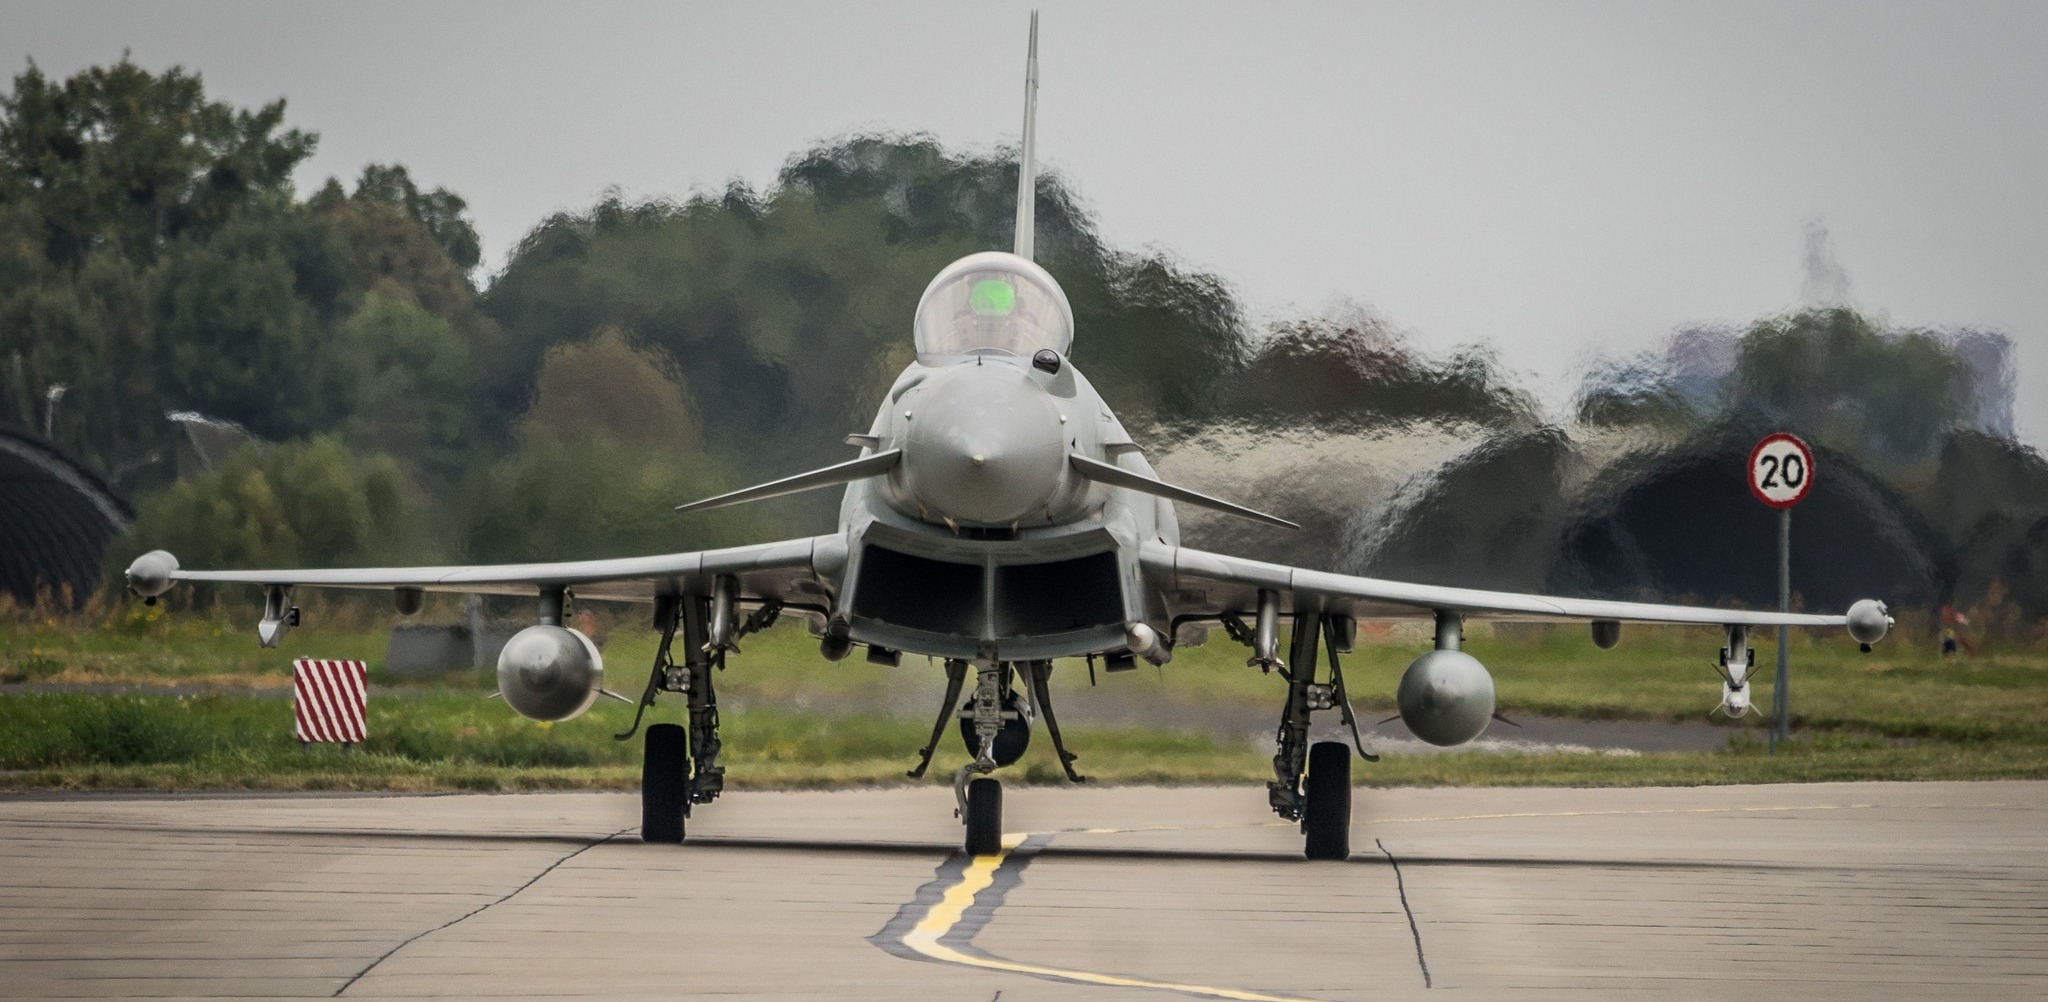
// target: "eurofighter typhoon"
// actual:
[[999, 517]]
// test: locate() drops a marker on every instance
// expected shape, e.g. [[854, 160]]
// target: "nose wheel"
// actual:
[[984, 817], [995, 723]]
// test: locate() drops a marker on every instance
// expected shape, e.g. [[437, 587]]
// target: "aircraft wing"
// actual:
[[788, 571], [1198, 583]]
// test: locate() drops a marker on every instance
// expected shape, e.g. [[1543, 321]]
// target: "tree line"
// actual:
[[155, 257]]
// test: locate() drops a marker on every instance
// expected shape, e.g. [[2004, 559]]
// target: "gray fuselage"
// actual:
[[984, 542]]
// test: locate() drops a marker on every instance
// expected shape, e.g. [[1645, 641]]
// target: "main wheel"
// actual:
[[1326, 817], [984, 817], [664, 783]]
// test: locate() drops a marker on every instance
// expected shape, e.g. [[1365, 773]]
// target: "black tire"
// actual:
[[1326, 817], [984, 817], [664, 783]]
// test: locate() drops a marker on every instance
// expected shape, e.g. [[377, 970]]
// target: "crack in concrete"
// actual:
[[1401, 887], [478, 910]]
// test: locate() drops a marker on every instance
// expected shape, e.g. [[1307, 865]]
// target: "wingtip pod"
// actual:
[[150, 575], [1869, 621]]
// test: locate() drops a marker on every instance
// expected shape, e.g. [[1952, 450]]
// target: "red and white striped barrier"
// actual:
[[328, 698]]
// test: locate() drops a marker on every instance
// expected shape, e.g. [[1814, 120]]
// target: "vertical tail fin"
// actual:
[[1027, 167]]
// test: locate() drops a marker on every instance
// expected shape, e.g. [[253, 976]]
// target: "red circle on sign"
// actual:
[[1780, 472]]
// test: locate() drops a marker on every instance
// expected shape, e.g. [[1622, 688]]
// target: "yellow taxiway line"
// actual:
[[940, 919], [980, 873]]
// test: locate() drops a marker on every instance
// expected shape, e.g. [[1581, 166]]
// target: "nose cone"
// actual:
[[986, 447]]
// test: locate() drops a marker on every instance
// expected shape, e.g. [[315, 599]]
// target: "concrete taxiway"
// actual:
[[1851, 890]]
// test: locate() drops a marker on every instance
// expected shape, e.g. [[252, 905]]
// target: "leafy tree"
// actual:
[[387, 246], [787, 310], [235, 338], [595, 497], [308, 504], [395, 232], [609, 446], [88, 328], [439, 212], [606, 388], [412, 390], [930, 194], [153, 258], [1835, 375], [1634, 393], [778, 317], [117, 156], [1156, 339], [1831, 374], [1355, 369]]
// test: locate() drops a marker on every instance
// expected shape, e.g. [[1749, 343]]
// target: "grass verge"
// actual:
[[458, 741], [793, 720]]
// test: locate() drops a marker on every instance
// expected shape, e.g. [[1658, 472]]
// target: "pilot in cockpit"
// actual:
[[991, 312]]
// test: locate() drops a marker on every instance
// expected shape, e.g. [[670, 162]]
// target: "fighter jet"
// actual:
[[999, 517]]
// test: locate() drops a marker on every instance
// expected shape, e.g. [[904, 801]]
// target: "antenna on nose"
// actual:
[[1027, 168]]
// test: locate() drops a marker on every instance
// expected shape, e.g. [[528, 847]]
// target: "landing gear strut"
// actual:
[[1324, 806], [956, 676], [995, 724], [981, 799], [1040, 673], [668, 784]]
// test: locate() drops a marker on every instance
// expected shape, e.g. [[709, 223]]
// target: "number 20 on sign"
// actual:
[[1780, 470]]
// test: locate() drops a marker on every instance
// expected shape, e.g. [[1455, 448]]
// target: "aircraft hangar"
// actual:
[[56, 519], [1620, 515]]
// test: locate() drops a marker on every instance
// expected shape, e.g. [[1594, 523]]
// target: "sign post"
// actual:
[[1781, 475]]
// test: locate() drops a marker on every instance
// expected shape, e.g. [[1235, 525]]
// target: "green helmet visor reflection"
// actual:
[[992, 297]]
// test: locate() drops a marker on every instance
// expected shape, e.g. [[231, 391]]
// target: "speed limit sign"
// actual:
[[1780, 470]]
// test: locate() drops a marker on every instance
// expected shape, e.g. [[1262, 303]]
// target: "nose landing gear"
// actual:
[[982, 724], [995, 724]]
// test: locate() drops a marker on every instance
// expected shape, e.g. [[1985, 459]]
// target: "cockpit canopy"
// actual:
[[992, 303]]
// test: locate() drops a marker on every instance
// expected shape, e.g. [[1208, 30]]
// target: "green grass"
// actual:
[[462, 741], [457, 740], [149, 645], [1901, 689], [793, 719]]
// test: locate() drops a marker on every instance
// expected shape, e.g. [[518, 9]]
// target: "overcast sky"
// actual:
[[1555, 180]]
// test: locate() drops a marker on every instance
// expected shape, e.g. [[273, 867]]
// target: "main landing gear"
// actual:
[[1311, 784], [679, 766], [995, 724]]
